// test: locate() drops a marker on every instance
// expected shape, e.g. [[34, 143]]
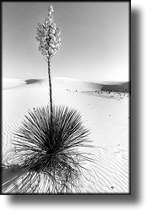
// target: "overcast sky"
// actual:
[[95, 43]]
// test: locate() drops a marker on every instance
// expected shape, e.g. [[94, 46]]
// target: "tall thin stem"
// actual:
[[50, 88]]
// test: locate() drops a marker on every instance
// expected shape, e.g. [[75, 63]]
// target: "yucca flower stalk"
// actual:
[[49, 38]]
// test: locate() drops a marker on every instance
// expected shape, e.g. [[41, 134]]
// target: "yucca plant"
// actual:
[[48, 144], [49, 153]]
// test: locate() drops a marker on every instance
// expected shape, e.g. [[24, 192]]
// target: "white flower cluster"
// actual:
[[48, 35]]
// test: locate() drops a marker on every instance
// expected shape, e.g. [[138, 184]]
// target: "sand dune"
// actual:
[[116, 87], [70, 84], [12, 83], [107, 120], [79, 85]]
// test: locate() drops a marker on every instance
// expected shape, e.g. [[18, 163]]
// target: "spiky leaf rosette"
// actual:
[[49, 156], [48, 35]]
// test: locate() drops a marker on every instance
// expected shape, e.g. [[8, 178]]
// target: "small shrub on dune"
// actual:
[[48, 153]]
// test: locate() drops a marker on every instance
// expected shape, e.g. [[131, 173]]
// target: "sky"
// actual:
[[95, 40]]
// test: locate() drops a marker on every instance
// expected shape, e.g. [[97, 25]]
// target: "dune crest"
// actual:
[[12, 83], [70, 84], [81, 85]]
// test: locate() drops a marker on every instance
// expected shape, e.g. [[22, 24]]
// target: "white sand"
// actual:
[[107, 118], [12, 83]]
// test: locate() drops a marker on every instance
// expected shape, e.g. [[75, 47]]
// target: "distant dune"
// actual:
[[12, 83], [31, 81], [116, 87], [79, 85], [70, 84]]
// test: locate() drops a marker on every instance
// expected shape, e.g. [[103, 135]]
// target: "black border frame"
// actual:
[[130, 152]]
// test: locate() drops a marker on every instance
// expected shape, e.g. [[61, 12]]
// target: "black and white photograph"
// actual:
[[65, 97]]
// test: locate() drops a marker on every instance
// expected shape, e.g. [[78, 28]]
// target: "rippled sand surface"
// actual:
[[106, 114]]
